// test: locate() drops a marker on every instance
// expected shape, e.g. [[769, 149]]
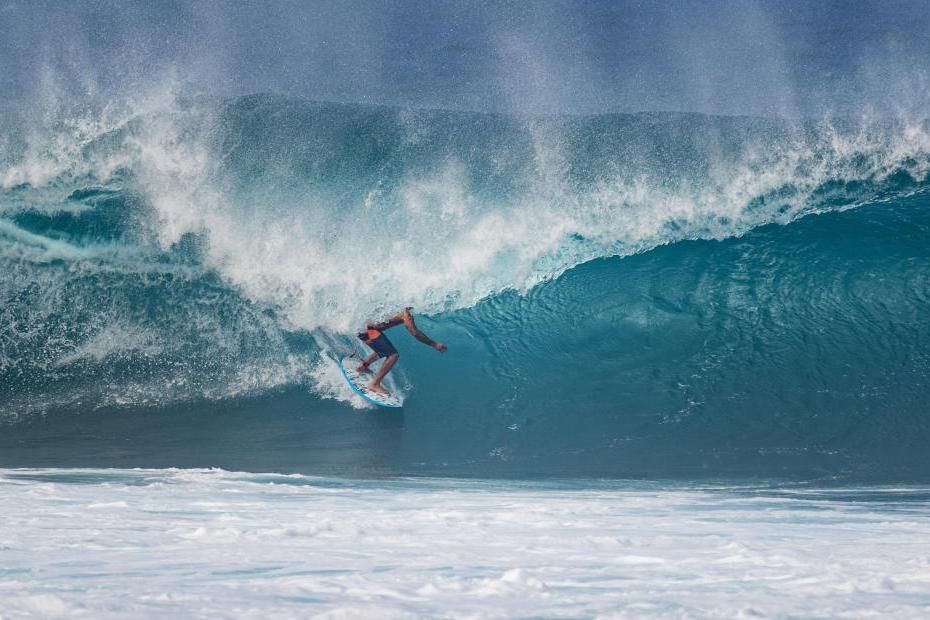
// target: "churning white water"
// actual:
[[215, 544]]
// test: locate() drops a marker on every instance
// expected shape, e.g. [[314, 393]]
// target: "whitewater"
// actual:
[[212, 543]]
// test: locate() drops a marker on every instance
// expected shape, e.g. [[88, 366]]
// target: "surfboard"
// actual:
[[359, 381]]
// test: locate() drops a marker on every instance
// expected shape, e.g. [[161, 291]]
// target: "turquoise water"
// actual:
[[658, 295]]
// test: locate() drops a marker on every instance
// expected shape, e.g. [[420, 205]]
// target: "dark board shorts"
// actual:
[[382, 346]]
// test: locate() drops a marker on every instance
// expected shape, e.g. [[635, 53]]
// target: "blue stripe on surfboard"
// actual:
[[358, 391]]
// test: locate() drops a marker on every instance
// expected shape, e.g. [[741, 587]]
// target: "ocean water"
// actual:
[[658, 295], [689, 353], [213, 543], [687, 373]]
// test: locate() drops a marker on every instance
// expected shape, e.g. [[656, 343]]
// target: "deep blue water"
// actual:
[[649, 295]]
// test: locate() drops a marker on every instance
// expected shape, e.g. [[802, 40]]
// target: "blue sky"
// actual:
[[740, 57]]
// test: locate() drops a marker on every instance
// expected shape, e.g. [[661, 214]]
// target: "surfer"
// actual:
[[374, 337]]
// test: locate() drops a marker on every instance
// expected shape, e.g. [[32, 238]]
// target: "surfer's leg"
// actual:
[[364, 366], [386, 366]]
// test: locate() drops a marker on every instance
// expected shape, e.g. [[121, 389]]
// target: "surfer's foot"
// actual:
[[377, 387], [363, 368]]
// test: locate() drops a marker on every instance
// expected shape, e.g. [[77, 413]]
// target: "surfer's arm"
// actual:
[[363, 367], [407, 319], [397, 320], [415, 331], [391, 322]]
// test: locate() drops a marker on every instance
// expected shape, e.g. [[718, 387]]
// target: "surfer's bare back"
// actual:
[[374, 337]]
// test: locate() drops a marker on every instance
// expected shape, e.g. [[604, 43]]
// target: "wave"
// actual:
[[192, 249], [789, 348]]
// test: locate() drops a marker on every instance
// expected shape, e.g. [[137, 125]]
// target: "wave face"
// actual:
[[615, 296]]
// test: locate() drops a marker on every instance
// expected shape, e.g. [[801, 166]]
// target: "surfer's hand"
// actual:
[[440, 347]]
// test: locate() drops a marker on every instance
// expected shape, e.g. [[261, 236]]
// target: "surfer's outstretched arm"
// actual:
[[383, 325], [407, 318]]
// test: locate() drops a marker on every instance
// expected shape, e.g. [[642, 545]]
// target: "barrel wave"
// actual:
[[622, 295]]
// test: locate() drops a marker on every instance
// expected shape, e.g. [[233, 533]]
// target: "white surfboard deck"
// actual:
[[359, 381]]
